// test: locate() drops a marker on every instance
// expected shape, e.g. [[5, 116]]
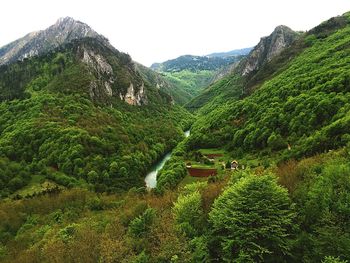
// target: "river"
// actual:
[[151, 177]]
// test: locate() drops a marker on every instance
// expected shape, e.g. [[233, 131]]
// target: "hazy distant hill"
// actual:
[[235, 52], [197, 63], [194, 73]]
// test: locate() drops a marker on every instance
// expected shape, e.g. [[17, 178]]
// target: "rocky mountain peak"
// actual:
[[72, 29], [63, 31], [269, 47], [65, 20]]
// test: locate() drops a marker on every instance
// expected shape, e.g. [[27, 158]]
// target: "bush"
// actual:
[[141, 224], [333, 260], [95, 204]]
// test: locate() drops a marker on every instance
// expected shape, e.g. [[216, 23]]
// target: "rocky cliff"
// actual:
[[113, 74], [268, 47]]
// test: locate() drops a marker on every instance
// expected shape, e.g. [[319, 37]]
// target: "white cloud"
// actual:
[[157, 30]]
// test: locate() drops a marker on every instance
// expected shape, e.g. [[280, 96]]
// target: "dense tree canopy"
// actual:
[[252, 221]]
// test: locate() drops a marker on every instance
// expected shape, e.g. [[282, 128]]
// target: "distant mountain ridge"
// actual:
[[235, 52], [194, 63], [212, 61], [36, 43], [190, 74]]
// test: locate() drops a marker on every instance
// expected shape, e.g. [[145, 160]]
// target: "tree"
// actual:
[[92, 176], [276, 142], [113, 169], [251, 221], [16, 183], [188, 213]]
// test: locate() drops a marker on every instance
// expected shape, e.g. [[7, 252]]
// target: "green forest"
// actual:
[[82, 125]]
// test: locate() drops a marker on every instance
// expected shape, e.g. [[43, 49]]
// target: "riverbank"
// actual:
[[151, 177]]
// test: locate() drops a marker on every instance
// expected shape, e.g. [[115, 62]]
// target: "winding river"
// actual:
[[151, 177]]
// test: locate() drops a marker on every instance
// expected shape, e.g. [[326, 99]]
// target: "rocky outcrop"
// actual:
[[268, 47], [103, 72], [134, 97], [103, 83], [63, 31]]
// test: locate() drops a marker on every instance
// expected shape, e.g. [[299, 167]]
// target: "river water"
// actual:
[[151, 177]]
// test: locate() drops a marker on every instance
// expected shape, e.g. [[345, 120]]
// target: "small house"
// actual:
[[188, 165], [234, 165]]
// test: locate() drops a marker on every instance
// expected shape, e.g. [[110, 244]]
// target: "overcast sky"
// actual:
[[158, 30]]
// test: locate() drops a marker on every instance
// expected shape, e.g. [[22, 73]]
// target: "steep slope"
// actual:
[[268, 48], [82, 115], [36, 43], [231, 85], [300, 107]]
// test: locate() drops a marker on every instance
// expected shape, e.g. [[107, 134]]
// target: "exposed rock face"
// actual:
[[36, 43], [268, 48], [133, 97], [99, 67], [103, 85]]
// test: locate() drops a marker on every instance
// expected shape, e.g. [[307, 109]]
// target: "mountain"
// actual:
[[64, 31], [267, 48], [235, 52], [191, 74], [297, 98], [36, 43], [194, 63], [82, 114]]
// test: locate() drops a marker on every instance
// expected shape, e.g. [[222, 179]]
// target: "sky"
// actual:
[[158, 30]]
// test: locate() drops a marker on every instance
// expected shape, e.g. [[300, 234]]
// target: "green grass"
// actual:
[[190, 179], [213, 151], [37, 184], [201, 165]]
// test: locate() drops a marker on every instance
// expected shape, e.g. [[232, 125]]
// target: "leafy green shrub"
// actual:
[[66, 233], [95, 204], [128, 215], [333, 260], [141, 224], [3, 251], [141, 258], [199, 249]]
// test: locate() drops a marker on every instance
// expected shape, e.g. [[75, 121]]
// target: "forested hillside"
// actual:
[[62, 118], [304, 104]]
